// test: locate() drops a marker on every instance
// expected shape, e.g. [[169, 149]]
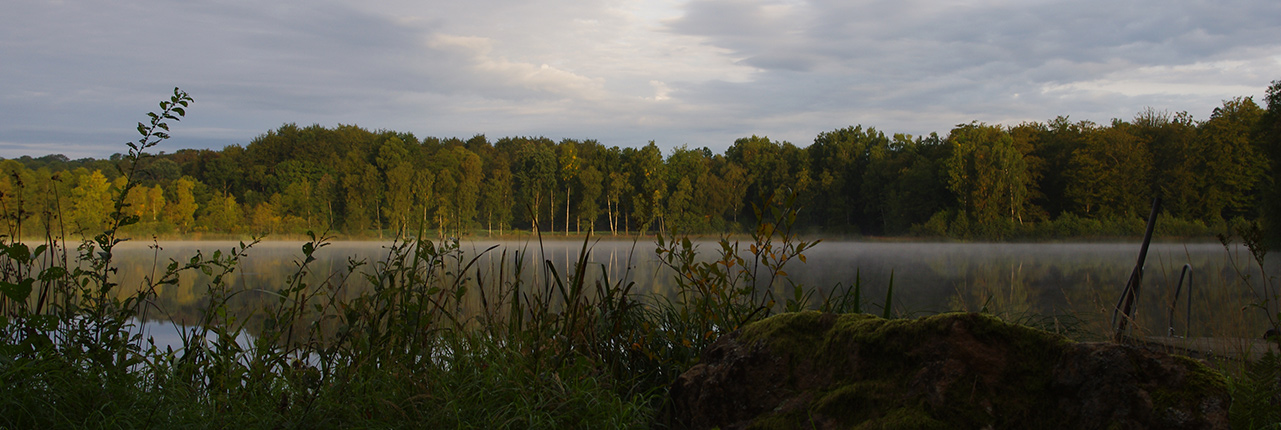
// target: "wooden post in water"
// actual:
[[1131, 291]]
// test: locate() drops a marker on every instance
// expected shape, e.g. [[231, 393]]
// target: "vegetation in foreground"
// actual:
[[437, 342]]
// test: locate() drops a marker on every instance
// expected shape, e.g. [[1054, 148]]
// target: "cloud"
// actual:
[[498, 76], [982, 59], [701, 72]]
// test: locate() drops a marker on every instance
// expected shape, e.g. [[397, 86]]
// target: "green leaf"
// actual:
[[19, 252], [52, 273], [17, 292]]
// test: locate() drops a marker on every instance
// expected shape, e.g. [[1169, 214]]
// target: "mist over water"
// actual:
[[1076, 281]]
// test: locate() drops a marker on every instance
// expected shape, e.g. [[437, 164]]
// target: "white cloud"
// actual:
[[500, 72], [662, 92]]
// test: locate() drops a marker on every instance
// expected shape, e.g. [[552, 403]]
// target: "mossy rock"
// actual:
[[817, 370]]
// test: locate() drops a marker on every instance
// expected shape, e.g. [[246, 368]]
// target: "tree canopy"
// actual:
[[979, 181]]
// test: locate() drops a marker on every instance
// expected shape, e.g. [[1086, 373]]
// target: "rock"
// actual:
[[828, 371]]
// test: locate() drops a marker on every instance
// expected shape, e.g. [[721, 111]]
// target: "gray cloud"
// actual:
[[76, 73], [976, 59]]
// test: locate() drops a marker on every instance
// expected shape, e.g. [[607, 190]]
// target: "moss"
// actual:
[[793, 420], [1200, 379], [907, 418], [856, 402], [872, 368], [791, 333]]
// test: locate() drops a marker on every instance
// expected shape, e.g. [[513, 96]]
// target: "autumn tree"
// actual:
[[17, 203], [266, 217], [92, 202], [136, 203], [222, 214], [181, 210], [155, 203]]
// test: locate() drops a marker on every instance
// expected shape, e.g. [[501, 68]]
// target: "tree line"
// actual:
[[1037, 179]]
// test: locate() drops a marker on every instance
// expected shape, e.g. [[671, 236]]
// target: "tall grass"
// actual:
[[1256, 386]]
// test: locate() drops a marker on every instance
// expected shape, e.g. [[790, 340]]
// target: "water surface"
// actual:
[[1079, 282]]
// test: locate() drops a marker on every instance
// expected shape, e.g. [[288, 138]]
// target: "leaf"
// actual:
[[52, 273], [19, 252], [17, 292]]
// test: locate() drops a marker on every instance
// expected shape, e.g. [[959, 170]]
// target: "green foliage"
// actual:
[[1268, 144], [68, 350], [987, 174], [1028, 181], [1256, 394]]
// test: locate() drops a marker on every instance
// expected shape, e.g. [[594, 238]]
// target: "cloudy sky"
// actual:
[[76, 76]]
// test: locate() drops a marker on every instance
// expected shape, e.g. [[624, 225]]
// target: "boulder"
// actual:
[[829, 371]]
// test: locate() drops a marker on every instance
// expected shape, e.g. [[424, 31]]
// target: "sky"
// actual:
[[77, 75]]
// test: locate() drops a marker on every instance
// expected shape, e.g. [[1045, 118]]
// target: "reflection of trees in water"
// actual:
[[1081, 280]]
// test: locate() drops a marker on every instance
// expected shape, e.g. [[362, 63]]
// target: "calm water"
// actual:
[[1077, 281]]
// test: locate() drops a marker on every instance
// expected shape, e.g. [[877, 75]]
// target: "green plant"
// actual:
[[1265, 290], [70, 353], [1256, 394]]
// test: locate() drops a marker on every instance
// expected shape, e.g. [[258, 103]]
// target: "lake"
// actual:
[[1071, 283]]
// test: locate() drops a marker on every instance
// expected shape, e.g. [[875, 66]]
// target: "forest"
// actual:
[[1036, 180]]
